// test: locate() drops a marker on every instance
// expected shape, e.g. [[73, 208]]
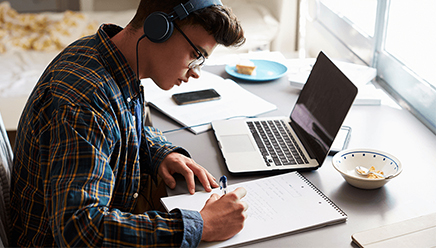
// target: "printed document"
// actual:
[[235, 102]]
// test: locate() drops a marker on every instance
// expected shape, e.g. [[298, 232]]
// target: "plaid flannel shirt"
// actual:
[[78, 157]]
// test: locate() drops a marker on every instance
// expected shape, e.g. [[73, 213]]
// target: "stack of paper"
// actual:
[[234, 102], [416, 232], [360, 75]]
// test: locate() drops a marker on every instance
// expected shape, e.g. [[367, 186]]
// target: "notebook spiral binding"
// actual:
[[319, 192]]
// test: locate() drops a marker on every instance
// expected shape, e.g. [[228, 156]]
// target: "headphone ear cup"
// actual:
[[157, 27]]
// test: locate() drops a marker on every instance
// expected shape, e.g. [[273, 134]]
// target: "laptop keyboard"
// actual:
[[276, 143]]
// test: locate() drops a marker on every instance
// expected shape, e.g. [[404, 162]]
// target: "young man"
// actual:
[[82, 153]]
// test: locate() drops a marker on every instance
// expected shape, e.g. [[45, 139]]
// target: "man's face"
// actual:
[[170, 66]]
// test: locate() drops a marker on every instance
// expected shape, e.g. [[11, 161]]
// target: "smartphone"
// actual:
[[341, 141], [196, 96]]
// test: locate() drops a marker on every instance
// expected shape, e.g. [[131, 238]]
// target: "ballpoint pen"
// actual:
[[223, 184]]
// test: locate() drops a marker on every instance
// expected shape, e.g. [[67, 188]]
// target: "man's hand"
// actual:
[[224, 216], [178, 163]]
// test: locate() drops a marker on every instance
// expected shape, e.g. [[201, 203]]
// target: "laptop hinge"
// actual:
[[300, 134]]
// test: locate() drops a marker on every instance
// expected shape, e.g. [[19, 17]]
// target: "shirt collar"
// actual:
[[116, 63]]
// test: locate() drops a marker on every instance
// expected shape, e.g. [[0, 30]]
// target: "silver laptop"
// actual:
[[299, 142]]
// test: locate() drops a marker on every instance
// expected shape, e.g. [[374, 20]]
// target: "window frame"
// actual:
[[411, 92]]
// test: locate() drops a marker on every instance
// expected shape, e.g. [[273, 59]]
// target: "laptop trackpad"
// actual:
[[237, 143]]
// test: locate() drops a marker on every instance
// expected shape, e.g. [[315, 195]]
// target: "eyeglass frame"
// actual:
[[199, 61]]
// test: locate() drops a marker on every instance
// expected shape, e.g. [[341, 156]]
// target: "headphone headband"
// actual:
[[159, 26], [183, 10]]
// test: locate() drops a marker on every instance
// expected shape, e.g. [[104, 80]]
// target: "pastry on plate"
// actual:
[[246, 67]]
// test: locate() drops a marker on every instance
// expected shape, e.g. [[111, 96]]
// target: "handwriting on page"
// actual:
[[277, 204], [267, 198]]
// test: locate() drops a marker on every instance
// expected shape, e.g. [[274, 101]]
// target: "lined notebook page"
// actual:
[[278, 204]]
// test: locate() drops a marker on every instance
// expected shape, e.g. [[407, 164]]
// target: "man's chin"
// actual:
[[167, 87]]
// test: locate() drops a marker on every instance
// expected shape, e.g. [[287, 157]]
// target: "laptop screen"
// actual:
[[322, 107]]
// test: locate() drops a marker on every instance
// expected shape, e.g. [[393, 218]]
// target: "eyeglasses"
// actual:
[[199, 61]]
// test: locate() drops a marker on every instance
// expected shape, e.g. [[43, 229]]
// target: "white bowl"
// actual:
[[346, 161]]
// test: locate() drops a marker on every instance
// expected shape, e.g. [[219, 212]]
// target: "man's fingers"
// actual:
[[190, 181], [168, 179], [204, 176], [213, 181], [245, 207], [189, 169], [204, 179], [240, 192], [213, 197]]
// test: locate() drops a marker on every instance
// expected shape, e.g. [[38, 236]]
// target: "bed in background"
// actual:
[[28, 42]]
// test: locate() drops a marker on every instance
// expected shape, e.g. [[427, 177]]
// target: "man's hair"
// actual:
[[218, 21]]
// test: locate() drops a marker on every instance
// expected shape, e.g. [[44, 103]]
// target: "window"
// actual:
[[411, 25], [397, 37], [360, 13]]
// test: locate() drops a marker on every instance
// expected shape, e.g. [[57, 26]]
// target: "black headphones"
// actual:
[[159, 26]]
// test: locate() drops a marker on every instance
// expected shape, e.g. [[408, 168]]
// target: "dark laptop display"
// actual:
[[321, 108]]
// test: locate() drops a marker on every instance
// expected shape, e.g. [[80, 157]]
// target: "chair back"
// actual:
[[6, 157]]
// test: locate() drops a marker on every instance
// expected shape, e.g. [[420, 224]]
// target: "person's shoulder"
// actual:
[[80, 59], [76, 74], [81, 53], [79, 73]]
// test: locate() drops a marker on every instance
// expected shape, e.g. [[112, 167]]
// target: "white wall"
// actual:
[[285, 11], [108, 5], [30, 6]]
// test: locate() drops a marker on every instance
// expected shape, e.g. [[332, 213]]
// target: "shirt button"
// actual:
[[135, 195], [129, 99]]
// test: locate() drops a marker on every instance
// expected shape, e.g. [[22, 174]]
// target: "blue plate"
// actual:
[[265, 70]]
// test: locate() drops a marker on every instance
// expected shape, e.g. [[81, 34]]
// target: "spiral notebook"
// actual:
[[279, 204]]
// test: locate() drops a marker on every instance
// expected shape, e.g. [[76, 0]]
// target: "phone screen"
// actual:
[[195, 96]]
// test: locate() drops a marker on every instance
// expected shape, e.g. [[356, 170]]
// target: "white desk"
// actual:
[[411, 194]]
